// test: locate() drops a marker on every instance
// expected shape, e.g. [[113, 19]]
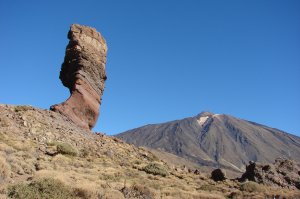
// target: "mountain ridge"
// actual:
[[217, 140]]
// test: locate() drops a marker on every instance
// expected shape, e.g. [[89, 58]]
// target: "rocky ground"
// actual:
[[43, 154], [283, 173]]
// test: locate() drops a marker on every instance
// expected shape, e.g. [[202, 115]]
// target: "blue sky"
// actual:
[[167, 59]]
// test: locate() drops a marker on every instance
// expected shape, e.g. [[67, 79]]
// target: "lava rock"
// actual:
[[218, 175], [283, 173], [83, 72]]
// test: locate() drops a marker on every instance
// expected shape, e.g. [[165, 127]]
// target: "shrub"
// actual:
[[138, 162], [208, 187], [23, 108], [84, 193], [252, 187], [111, 177], [46, 188], [218, 175], [137, 191], [155, 169], [66, 149]]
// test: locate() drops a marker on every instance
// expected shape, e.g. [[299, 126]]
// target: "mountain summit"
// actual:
[[217, 140]]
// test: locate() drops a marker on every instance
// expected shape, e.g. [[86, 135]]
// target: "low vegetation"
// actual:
[[156, 169], [46, 188], [64, 148], [137, 191], [208, 187], [252, 187]]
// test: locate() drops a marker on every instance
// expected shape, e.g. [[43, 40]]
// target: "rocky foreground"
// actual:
[[43, 154]]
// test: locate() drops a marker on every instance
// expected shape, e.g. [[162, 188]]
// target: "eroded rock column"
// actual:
[[83, 72]]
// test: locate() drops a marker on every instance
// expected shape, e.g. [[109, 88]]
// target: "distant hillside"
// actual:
[[217, 140]]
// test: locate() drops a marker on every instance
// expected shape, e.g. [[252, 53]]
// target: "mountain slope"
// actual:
[[44, 150], [43, 154], [217, 140]]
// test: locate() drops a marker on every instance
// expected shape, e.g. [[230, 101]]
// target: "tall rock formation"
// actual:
[[83, 72]]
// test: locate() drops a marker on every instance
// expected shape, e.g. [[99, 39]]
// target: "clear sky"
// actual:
[[167, 59]]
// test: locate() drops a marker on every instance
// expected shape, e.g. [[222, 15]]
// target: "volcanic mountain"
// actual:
[[217, 140]]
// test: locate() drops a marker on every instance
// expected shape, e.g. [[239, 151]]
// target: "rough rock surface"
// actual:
[[83, 72], [218, 175], [283, 173]]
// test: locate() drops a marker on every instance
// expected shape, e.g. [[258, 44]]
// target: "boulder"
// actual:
[[283, 173], [83, 73], [218, 175], [197, 172]]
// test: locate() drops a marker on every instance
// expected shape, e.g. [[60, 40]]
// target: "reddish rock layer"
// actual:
[[83, 72]]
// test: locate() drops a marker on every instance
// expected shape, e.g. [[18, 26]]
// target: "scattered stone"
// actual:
[[185, 169], [83, 72], [51, 151], [118, 140], [283, 173], [197, 172], [218, 175], [43, 149]]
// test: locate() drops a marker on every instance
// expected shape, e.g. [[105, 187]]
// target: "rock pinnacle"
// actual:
[[83, 72]]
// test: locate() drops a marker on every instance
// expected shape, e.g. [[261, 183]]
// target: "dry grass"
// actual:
[[102, 167], [208, 187], [11, 144], [175, 194], [87, 190], [5, 169], [137, 191], [281, 193], [21, 164], [252, 187], [111, 194], [46, 188], [6, 148]]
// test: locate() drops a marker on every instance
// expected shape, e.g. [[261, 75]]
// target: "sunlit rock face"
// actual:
[[83, 72]]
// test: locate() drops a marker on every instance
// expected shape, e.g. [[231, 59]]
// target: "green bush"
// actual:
[[156, 169], [252, 187], [23, 108], [46, 188], [66, 149]]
